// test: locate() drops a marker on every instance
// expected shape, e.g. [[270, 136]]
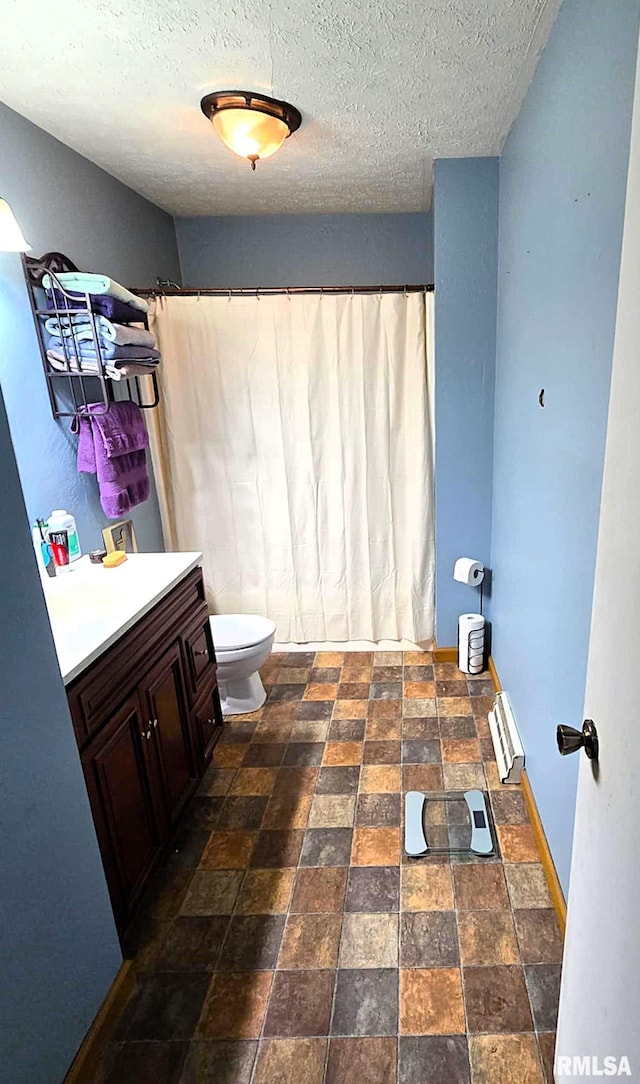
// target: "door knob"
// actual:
[[570, 740]]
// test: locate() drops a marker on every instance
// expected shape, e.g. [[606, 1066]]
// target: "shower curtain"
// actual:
[[294, 448]]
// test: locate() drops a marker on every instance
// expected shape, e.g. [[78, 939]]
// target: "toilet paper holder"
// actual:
[[471, 627], [471, 572]]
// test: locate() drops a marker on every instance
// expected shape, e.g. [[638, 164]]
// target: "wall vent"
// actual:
[[506, 740]]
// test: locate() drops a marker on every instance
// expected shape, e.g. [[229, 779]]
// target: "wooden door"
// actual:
[[115, 769], [168, 722]]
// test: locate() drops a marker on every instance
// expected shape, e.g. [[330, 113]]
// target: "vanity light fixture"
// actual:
[[251, 125], [11, 239]]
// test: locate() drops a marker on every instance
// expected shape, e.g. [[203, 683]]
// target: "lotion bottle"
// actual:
[[61, 520]]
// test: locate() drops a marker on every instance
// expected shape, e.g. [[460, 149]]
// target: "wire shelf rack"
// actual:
[[75, 385]]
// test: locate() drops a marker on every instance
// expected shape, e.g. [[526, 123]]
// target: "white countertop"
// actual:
[[91, 607]]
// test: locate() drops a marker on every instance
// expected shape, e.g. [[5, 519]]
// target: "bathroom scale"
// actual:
[[456, 822]]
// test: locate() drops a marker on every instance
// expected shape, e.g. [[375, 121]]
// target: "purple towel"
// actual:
[[112, 446], [118, 311]]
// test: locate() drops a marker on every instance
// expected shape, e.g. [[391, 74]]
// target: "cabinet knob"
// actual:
[[153, 723], [145, 734], [201, 651], [211, 722]]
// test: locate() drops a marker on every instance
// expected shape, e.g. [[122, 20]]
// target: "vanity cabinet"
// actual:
[[147, 716]]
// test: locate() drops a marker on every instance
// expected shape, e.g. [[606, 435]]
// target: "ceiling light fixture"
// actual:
[[11, 239], [251, 125]]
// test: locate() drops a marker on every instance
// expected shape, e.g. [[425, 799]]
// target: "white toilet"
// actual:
[[243, 643]]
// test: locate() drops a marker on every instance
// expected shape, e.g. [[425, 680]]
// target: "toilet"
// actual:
[[243, 644]]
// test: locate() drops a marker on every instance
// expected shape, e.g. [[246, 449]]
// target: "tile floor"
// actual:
[[288, 941]]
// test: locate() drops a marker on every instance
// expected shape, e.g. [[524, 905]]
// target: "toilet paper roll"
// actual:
[[471, 643], [471, 623], [466, 570]]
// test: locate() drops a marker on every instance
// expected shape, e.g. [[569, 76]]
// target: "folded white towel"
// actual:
[[59, 362], [80, 328], [83, 283], [91, 368]]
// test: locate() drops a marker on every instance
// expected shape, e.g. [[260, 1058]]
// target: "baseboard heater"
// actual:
[[506, 740]]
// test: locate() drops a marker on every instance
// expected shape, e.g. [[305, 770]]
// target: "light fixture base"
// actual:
[[247, 99]]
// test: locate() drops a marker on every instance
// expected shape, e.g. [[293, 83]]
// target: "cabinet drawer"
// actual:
[[207, 716], [199, 655]]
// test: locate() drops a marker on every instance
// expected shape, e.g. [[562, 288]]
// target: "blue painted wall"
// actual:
[[65, 203], [466, 251], [306, 250], [59, 947], [562, 190], [58, 944]]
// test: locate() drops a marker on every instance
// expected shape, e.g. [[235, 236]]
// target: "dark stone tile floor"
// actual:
[[288, 941]]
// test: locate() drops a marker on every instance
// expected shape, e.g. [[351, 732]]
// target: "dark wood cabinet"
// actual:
[[147, 716]]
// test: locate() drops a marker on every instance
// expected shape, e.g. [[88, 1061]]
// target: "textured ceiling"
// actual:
[[384, 87]]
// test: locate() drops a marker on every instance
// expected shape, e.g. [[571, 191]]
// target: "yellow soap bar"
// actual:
[[112, 560]]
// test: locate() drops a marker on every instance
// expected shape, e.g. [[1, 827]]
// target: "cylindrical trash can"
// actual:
[[471, 643]]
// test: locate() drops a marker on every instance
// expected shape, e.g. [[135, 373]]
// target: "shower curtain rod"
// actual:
[[165, 288]]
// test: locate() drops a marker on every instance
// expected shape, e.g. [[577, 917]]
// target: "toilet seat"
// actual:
[[233, 632]]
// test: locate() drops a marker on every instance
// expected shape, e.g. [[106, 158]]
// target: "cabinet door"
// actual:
[[115, 768], [208, 722], [168, 721]]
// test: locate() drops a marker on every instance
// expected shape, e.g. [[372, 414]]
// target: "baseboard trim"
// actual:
[[494, 675], [84, 1068], [445, 654], [553, 882]]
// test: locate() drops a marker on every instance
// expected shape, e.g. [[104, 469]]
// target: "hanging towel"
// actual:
[[121, 428], [81, 330], [112, 446], [80, 282], [100, 304]]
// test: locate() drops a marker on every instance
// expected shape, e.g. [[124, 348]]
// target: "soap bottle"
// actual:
[[61, 520]]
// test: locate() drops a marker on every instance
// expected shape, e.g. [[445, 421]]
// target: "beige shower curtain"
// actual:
[[294, 447]]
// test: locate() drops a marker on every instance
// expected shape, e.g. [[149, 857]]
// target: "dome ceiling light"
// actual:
[[251, 125]]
